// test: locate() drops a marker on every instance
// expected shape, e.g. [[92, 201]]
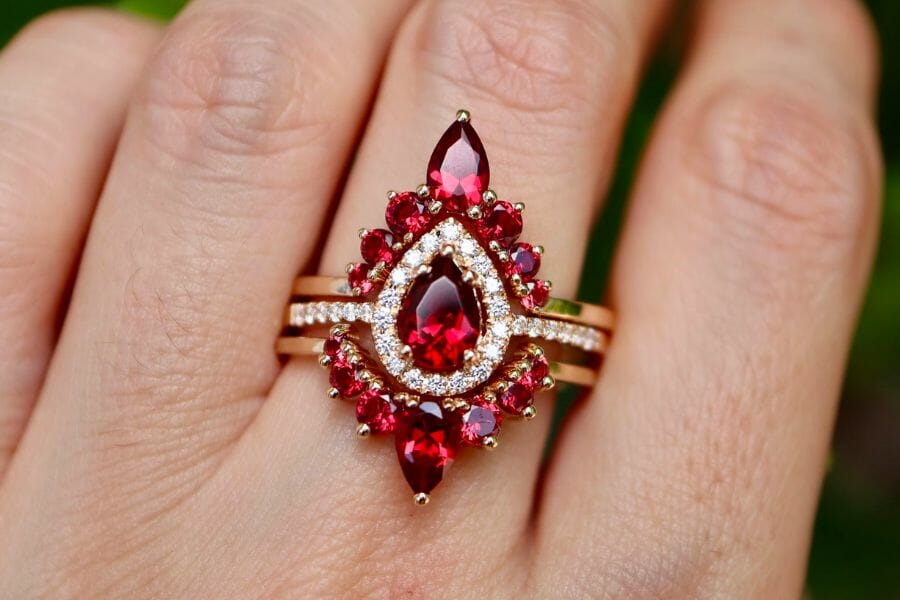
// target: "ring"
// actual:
[[447, 292]]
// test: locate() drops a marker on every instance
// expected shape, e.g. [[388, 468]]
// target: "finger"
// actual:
[[695, 470], [548, 85], [233, 147], [64, 85]]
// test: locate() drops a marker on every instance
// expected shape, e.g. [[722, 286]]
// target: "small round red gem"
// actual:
[[332, 348], [375, 246], [523, 261], [358, 278], [344, 378], [480, 421], [407, 213], [537, 296], [515, 399], [533, 379], [502, 223], [376, 409]]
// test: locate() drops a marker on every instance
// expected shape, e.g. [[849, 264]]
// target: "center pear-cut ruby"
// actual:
[[440, 318], [427, 440], [458, 169]]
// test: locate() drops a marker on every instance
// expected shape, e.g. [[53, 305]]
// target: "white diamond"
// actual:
[[492, 285], [450, 230], [398, 276], [493, 352], [500, 329], [429, 242], [468, 246], [413, 257], [383, 318], [482, 264]]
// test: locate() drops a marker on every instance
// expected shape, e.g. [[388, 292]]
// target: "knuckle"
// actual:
[[781, 165], [553, 57], [233, 83]]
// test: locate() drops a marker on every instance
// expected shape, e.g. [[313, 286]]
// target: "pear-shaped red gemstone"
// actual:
[[427, 440], [440, 318], [458, 171]]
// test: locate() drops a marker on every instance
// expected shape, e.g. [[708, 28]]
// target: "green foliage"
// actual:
[[856, 548]]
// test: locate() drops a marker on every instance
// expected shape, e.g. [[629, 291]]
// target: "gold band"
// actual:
[[592, 315], [562, 372]]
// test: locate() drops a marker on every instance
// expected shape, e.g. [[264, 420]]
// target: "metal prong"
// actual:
[[490, 442], [421, 499], [489, 196], [423, 191], [423, 270], [539, 250], [495, 246], [407, 237], [469, 355], [474, 212], [502, 386], [468, 277], [515, 279], [463, 116], [362, 232], [349, 267], [446, 250], [405, 350], [503, 255], [363, 430], [535, 350], [397, 247], [519, 206], [339, 329], [530, 412], [435, 207], [324, 360], [376, 384], [548, 382], [333, 393], [514, 374], [366, 376], [391, 194], [489, 396]]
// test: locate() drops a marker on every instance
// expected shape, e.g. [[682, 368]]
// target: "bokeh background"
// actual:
[[856, 545]]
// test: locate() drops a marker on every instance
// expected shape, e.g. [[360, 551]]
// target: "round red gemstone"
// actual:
[[515, 399], [427, 440], [358, 278], [375, 246], [407, 213], [376, 409], [440, 318], [332, 348], [480, 421], [537, 296], [502, 223], [533, 379], [458, 170], [344, 377], [523, 261]]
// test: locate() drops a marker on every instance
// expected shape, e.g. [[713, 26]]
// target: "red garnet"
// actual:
[[480, 421], [515, 399], [332, 348], [407, 213], [523, 261], [502, 223], [375, 246], [358, 278], [533, 379], [440, 318], [458, 170], [376, 408], [344, 378], [538, 295], [427, 440]]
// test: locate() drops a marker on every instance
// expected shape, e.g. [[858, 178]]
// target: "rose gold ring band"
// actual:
[[581, 313], [561, 372]]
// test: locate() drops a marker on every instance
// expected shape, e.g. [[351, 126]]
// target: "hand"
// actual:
[[155, 446]]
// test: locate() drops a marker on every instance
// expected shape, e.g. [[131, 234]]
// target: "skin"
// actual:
[[151, 444]]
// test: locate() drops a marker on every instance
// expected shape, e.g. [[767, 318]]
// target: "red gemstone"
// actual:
[[538, 295], [332, 348], [344, 378], [533, 379], [515, 399], [427, 440], [375, 246], [358, 278], [480, 421], [407, 213], [376, 408], [523, 261], [440, 318], [502, 223], [458, 170]]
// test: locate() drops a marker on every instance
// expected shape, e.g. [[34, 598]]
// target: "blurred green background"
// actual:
[[856, 546]]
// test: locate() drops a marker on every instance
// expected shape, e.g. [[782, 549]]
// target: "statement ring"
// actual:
[[459, 320]]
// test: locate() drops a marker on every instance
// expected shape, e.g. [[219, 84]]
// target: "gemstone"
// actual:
[[440, 318], [427, 440], [523, 261], [407, 213], [458, 171], [480, 421], [375, 246], [344, 378], [515, 399], [533, 379], [502, 223], [358, 278], [376, 409], [537, 296], [332, 348]]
